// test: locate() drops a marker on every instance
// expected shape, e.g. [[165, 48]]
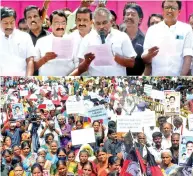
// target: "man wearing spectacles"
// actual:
[[168, 45], [119, 42], [16, 48]]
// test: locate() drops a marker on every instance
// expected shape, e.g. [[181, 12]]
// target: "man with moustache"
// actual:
[[168, 45], [51, 65], [167, 132], [120, 42], [34, 21], [15, 45], [84, 26], [133, 16]]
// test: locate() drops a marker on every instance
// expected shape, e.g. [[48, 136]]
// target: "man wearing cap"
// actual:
[[119, 42], [168, 45], [16, 47]]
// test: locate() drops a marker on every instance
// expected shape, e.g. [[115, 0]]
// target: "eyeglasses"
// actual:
[[60, 23], [102, 23], [170, 7]]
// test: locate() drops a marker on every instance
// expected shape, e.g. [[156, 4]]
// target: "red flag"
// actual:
[[143, 167], [155, 170], [124, 168]]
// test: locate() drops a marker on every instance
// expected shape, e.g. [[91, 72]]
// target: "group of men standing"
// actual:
[[165, 50]]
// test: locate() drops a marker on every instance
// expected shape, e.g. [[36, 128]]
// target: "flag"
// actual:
[[155, 170], [140, 159]]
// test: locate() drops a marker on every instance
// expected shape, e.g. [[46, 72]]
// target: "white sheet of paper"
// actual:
[[103, 55], [83, 136], [148, 118], [63, 47], [190, 122], [75, 107], [132, 123]]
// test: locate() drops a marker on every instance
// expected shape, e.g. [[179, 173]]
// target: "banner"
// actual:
[[97, 113]]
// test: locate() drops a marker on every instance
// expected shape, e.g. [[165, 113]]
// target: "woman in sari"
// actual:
[[167, 166], [49, 137], [28, 158], [18, 170], [72, 165]]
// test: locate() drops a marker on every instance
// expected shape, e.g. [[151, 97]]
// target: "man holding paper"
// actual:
[[16, 48], [112, 49], [168, 45]]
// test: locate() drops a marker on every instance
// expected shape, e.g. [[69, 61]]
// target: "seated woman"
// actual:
[[6, 142], [113, 165], [167, 166], [72, 165], [61, 168], [49, 137], [36, 169], [17, 170], [28, 158], [88, 169], [102, 160]]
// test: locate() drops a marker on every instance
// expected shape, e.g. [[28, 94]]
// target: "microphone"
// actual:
[[102, 35]]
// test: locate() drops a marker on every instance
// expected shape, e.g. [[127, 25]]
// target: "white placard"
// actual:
[[83, 136], [23, 93], [156, 94], [148, 89], [75, 107], [148, 118], [132, 123], [97, 113], [190, 122]]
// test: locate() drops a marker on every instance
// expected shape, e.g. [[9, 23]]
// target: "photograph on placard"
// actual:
[[185, 150], [17, 110], [172, 102]]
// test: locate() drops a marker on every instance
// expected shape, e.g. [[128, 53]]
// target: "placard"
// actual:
[[185, 149], [97, 113], [75, 107], [172, 102], [190, 122], [83, 136], [17, 110], [23, 93], [156, 94], [148, 89], [132, 123]]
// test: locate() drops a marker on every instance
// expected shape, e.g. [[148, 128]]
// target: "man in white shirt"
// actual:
[[168, 44], [120, 45], [167, 133], [56, 66], [84, 26], [16, 48]]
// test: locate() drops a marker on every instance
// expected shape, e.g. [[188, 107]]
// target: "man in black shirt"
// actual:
[[32, 15], [133, 16]]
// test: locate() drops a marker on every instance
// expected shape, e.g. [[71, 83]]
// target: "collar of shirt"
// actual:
[[173, 27], [42, 33], [112, 31], [158, 150], [11, 35]]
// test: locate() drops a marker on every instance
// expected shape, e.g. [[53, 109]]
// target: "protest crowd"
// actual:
[[85, 42], [96, 126]]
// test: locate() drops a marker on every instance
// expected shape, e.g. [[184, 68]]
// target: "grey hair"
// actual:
[[102, 11], [41, 150], [178, 119], [166, 151], [60, 115], [40, 157]]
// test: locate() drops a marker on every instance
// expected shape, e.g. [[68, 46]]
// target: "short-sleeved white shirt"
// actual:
[[121, 44], [55, 67], [174, 43], [15, 50]]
